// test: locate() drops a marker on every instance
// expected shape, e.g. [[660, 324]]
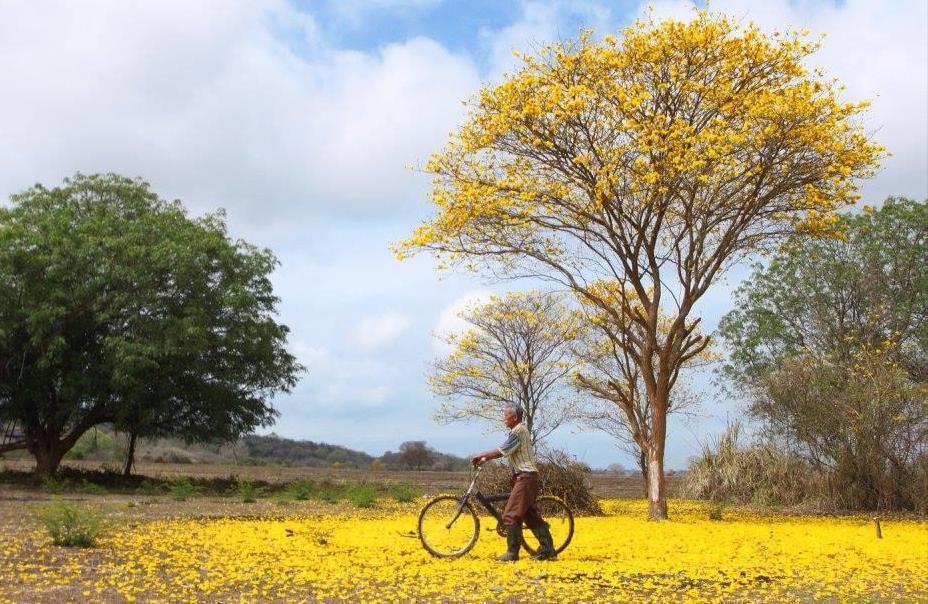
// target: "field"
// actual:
[[217, 548]]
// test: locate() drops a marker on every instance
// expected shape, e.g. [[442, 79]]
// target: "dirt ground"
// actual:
[[603, 485]]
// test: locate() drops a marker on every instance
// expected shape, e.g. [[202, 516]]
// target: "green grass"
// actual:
[[361, 495], [72, 526], [404, 492]]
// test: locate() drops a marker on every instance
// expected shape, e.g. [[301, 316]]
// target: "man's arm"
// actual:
[[484, 457], [512, 443]]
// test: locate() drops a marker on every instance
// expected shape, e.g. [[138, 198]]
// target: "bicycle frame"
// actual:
[[486, 501]]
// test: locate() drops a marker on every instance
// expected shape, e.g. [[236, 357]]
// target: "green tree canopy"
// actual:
[[831, 296], [116, 306]]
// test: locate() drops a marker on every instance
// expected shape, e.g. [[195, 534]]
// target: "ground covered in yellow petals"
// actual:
[[336, 553]]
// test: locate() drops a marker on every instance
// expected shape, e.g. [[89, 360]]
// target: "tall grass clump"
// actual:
[[72, 526], [760, 474]]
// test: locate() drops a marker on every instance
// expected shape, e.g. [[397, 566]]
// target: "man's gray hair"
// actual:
[[514, 409]]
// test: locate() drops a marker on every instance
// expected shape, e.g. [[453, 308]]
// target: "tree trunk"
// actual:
[[48, 456], [130, 454], [643, 466], [657, 497]]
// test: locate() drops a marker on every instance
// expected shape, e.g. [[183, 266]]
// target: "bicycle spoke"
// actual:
[[446, 528]]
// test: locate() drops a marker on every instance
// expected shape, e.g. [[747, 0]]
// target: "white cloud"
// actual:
[[307, 354], [450, 321], [209, 103], [374, 333]]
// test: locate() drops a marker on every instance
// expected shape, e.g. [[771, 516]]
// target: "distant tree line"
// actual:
[[412, 455]]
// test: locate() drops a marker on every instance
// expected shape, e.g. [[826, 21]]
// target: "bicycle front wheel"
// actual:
[[560, 520], [446, 528]]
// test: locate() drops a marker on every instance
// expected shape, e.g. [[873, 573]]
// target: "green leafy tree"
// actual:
[[117, 307], [830, 341]]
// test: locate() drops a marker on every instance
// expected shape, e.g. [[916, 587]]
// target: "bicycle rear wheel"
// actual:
[[447, 529], [560, 520]]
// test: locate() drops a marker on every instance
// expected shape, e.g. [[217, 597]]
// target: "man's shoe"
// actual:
[[513, 543], [545, 543]]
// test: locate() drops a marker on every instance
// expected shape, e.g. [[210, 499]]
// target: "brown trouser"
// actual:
[[521, 504]]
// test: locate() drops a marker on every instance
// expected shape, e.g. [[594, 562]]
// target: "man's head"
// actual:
[[512, 415]]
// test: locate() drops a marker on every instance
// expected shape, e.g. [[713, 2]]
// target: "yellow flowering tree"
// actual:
[[657, 160], [516, 350]]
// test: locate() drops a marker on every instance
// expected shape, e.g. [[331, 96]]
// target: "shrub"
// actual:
[[300, 490], [248, 492], [404, 492], [72, 526], [560, 475], [361, 495], [182, 489]]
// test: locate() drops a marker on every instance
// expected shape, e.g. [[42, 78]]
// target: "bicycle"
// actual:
[[449, 526]]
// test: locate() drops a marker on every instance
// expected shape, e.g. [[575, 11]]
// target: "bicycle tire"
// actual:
[[467, 512], [549, 503]]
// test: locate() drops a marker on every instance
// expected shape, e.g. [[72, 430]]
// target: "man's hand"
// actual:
[[476, 460]]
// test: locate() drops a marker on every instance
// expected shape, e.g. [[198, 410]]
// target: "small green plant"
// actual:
[[716, 509], [300, 490], [404, 492], [248, 492], [182, 489], [72, 526], [361, 495]]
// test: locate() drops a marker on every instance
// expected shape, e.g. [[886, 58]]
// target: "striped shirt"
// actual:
[[518, 449]]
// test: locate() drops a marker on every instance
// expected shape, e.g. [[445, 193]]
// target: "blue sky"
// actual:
[[300, 118]]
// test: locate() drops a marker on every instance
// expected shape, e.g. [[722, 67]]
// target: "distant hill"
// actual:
[[105, 444]]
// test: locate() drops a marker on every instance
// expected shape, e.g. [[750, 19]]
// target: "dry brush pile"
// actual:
[[559, 474]]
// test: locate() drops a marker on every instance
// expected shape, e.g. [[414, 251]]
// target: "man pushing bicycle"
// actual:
[[524, 482]]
